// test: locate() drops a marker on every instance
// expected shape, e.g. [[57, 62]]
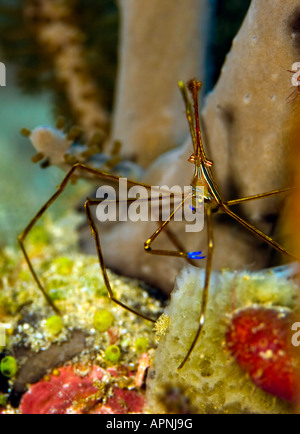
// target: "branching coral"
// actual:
[[95, 25], [62, 40], [63, 149]]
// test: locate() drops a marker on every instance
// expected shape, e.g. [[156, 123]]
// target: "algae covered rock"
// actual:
[[42, 352]]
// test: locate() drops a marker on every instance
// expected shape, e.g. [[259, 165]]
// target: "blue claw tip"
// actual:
[[195, 255]]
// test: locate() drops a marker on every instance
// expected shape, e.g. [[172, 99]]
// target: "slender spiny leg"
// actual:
[[180, 253], [61, 188], [188, 112], [177, 244], [95, 233], [21, 240], [161, 224], [208, 268], [258, 233], [258, 196]]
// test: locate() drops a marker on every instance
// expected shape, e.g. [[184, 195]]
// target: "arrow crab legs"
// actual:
[[205, 194]]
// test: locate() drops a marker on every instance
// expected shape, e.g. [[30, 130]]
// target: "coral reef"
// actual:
[[218, 378], [81, 390], [98, 350], [246, 123], [95, 350]]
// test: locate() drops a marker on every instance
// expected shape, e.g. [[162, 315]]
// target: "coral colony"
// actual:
[[267, 357]]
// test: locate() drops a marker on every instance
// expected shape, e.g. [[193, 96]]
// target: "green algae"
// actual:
[[141, 345], [6, 264], [3, 400], [112, 354], [9, 366], [39, 236], [56, 294], [54, 325], [103, 320], [64, 266]]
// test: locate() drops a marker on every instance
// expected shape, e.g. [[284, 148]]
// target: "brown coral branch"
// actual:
[[54, 27]]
